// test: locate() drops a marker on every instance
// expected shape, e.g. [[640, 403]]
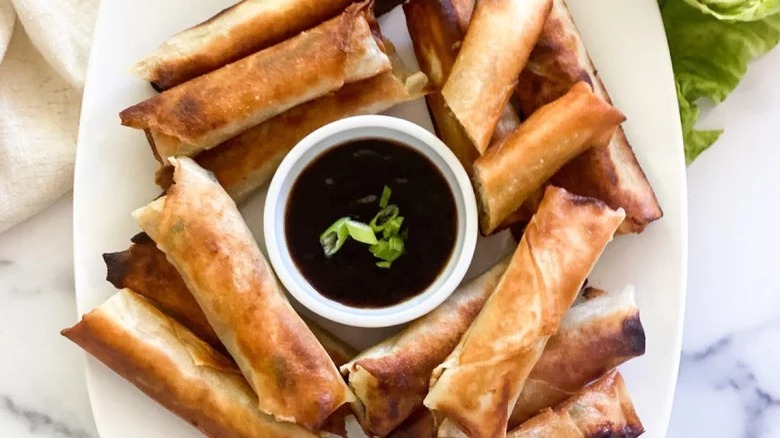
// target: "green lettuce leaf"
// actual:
[[737, 10], [710, 57]]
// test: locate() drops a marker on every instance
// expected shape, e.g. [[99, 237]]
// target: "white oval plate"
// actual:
[[114, 170]]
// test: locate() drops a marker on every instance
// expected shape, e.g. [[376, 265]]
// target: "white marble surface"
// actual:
[[729, 385]]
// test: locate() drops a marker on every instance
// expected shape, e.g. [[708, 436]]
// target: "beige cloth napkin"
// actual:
[[44, 47]]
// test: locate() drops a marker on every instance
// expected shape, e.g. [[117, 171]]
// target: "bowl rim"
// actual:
[[455, 268]]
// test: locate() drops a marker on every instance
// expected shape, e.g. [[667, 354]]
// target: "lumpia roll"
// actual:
[[436, 28], [212, 108], [203, 235], [144, 269], [595, 336], [514, 169], [236, 32], [390, 379], [476, 387], [604, 408], [248, 161], [496, 46], [175, 368], [609, 171]]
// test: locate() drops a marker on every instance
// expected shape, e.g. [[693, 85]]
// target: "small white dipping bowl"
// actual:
[[332, 136]]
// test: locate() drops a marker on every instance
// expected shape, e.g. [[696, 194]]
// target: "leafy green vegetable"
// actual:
[[737, 10], [386, 192], [710, 56]]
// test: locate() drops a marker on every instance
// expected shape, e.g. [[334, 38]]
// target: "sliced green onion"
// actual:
[[387, 221], [361, 232], [384, 251], [396, 244], [388, 213], [386, 192], [392, 227], [334, 237]]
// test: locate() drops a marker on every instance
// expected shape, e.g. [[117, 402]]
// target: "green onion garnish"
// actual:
[[387, 222], [386, 192]]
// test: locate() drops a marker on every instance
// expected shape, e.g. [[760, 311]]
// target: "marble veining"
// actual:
[[39, 423]]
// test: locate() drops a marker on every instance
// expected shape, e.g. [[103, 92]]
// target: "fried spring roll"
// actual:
[[595, 336], [514, 169], [212, 108], [144, 269], [474, 390], [175, 368], [496, 46], [436, 28], [436, 39], [203, 235], [236, 32], [608, 171], [604, 408], [391, 378], [248, 161]]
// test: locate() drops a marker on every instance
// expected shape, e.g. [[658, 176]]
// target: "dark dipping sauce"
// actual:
[[347, 180]]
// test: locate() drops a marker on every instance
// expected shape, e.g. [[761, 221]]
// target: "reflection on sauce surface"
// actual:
[[347, 181]]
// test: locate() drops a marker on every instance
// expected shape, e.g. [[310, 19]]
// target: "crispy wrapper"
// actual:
[[144, 269], [609, 171], [499, 39], [248, 161], [420, 424], [175, 368], [199, 228], [236, 32], [603, 409], [509, 173], [595, 336], [474, 390], [436, 28], [390, 379], [212, 108]]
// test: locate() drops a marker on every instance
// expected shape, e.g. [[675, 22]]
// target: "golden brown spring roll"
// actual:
[[212, 108], [175, 368], [496, 46], [197, 225], [236, 32], [248, 161], [474, 390], [144, 269], [436, 28], [602, 409], [436, 37], [514, 169], [391, 378], [595, 336], [608, 171]]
